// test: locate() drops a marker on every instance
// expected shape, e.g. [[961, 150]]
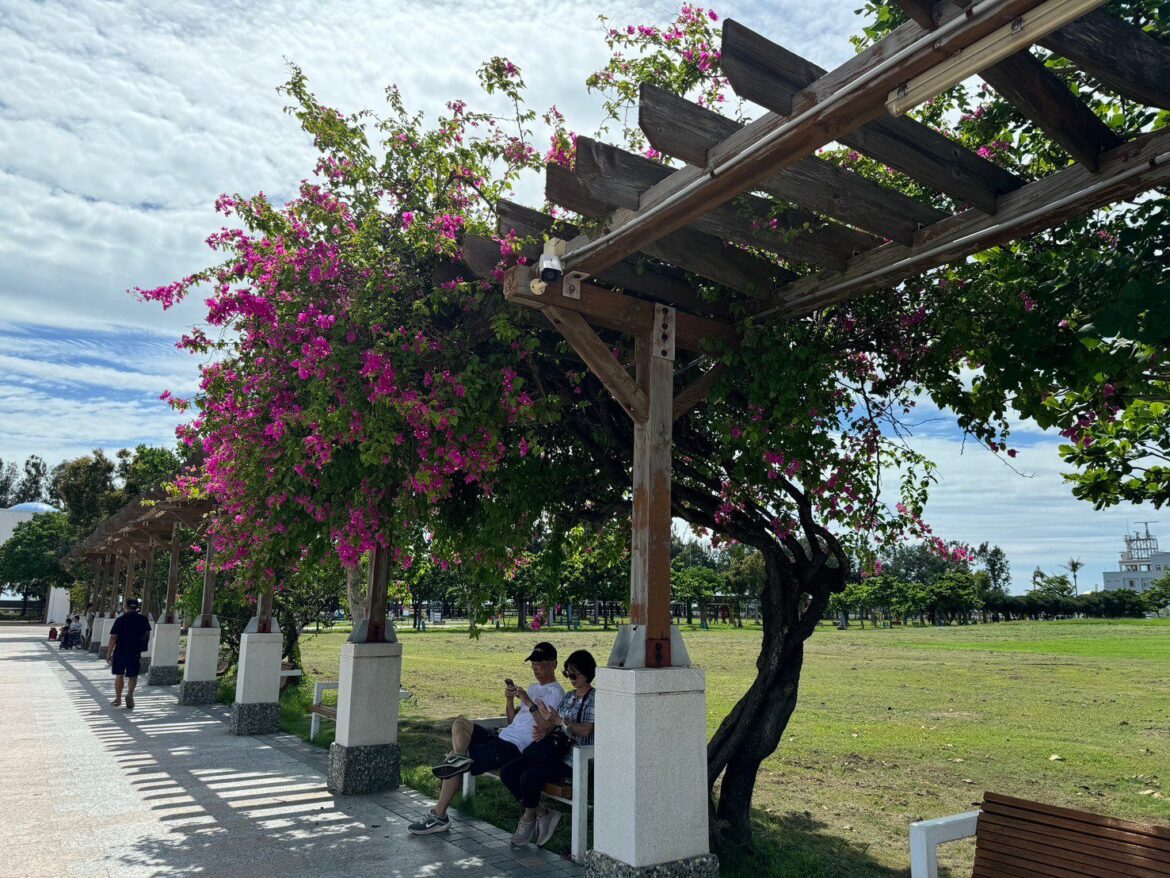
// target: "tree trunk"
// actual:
[[793, 602]]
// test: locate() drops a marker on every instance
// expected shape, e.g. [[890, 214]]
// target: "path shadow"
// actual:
[[228, 807]]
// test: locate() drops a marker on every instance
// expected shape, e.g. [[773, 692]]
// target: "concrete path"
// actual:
[[90, 790]]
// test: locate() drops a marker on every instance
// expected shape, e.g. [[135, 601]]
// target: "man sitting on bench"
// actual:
[[478, 749]]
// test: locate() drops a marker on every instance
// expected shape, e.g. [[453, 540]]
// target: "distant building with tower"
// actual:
[[1141, 563]]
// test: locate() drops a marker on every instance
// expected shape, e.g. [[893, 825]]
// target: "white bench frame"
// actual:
[[927, 835], [318, 699], [579, 804]]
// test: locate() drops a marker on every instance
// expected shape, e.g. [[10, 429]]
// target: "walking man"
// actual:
[[127, 638]]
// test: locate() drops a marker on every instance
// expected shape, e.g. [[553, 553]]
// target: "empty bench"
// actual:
[[1022, 839], [319, 710], [575, 793]]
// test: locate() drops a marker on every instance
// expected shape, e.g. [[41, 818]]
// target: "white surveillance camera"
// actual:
[[550, 268]]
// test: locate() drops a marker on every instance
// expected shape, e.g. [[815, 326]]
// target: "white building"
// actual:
[[1141, 563], [57, 603]]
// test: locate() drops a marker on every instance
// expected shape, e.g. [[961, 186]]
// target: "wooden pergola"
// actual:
[[838, 234]]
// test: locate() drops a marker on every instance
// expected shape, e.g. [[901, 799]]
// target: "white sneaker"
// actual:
[[524, 832], [546, 824]]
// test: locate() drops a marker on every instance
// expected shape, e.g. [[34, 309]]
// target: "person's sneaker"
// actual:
[[129, 702], [454, 765], [524, 832], [430, 824], [546, 824]]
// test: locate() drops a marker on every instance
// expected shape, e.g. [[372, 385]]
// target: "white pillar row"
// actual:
[[200, 684], [164, 654], [365, 755]]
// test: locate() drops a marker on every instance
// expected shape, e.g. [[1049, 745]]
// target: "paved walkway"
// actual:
[[89, 790]]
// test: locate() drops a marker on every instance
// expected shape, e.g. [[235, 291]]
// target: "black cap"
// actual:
[[131, 603], [543, 652]]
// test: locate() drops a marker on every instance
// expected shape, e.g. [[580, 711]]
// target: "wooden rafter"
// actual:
[[697, 252], [1124, 57], [695, 392], [599, 358], [682, 129], [618, 178], [1041, 96], [838, 103], [772, 77], [1125, 172]]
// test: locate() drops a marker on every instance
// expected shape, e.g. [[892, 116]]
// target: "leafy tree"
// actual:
[[9, 479], [994, 561], [34, 483], [31, 559], [1074, 566], [1055, 586], [1157, 596], [82, 487]]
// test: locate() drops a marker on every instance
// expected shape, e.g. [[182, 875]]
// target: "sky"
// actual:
[[120, 123]]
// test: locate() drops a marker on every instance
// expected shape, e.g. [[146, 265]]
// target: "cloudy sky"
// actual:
[[121, 122]]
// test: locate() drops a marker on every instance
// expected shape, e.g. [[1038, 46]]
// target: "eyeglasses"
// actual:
[[571, 675]]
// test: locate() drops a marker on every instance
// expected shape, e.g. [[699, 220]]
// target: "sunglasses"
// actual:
[[571, 675]]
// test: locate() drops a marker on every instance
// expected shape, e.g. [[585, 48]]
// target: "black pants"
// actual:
[[540, 763]]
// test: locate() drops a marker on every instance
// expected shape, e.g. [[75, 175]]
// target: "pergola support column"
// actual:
[[111, 607], [94, 605], [200, 672], [650, 800], [365, 756], [256, 709], [164, 652], [145, 660]]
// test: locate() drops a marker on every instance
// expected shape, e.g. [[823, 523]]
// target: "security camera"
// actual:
[[550, 268]]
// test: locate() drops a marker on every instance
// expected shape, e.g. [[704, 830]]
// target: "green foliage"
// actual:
[[1157, 596], [31, 559]]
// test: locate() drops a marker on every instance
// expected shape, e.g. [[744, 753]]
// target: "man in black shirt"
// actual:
[[127, 638]]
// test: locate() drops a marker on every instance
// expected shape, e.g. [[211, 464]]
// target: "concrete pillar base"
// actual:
[[604, 866], [93, 646], [143, 665], [258, 672], [650, 772], [199, 692], [257, 718], [103, 651], [164, 645], [367, 769], [202, 653], [164, 675]]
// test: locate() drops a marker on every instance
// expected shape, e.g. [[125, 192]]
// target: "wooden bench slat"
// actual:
[[1063, 839], [1064, 861], [1082, 828], [323, 710], [994, 867], [1148, 829]]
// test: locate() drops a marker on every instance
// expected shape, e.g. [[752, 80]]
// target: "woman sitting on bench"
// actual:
[[550, 757]]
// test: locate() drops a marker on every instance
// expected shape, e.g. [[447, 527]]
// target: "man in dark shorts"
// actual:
[[478, 749], [127, 638]]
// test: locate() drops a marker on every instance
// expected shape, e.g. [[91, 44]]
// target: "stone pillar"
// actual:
[[256, 710], [650, 775], [365, 757], [164, 655], [200, 681]]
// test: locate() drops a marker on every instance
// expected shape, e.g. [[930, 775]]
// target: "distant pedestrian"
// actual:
[[127, 639]]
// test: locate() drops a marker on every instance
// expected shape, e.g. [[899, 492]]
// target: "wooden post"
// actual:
[[128, 588], [148, 579], [650, 540], [373, 628], [264, 610], [173, 576], [112, 591], [207, 609]]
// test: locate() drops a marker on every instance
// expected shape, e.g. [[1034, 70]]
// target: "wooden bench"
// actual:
[[319, 710], [1021, 839], [576, 793]]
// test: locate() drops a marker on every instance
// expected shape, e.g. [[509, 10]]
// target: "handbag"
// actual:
[[562, 743]]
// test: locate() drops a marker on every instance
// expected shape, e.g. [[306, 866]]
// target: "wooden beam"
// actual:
[[618, 178], [697, 391], [1124, 57], [772, 76], [838, 103], [662, 283], [605, 308], [375, 628], [1041, 96], [699, 253], [650, 520], [599, 358], [207, 605], [148, 581], [1126, 172], [682, 129]]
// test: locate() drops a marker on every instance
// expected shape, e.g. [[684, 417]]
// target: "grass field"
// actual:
[[894, 725]]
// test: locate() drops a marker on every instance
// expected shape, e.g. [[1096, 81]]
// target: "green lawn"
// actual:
[[894, 725]]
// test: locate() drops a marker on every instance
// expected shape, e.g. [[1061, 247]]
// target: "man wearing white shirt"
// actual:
[[478, 749]]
